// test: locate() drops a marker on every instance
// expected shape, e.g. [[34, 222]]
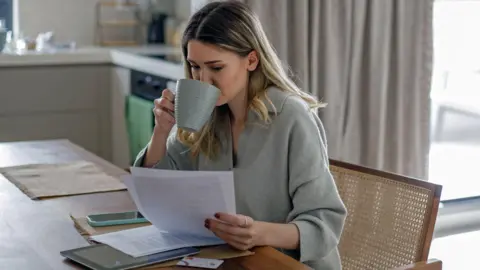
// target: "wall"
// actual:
[[183, 9], [71, 20], [74, 20], [197, 4]]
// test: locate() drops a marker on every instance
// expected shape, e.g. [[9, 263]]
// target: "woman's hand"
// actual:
[[239, 231], [164, 122], [163, 112]]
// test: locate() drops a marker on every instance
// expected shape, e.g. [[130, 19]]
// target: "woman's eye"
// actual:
[[195, 67], [217, 68]]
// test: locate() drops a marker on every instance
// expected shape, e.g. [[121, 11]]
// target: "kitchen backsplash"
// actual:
[[74, 20]]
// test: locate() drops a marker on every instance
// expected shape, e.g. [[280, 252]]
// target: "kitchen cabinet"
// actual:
[[60, 101], [120, 78]]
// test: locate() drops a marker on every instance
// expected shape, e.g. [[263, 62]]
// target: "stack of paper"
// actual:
[[177, 204]]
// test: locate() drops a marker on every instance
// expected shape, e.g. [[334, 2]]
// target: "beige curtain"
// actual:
[[371, 61]]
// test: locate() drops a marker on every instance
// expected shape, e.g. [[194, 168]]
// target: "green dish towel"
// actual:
[[140, 122]]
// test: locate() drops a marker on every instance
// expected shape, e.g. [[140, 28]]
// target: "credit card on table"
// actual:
[[200, 262]]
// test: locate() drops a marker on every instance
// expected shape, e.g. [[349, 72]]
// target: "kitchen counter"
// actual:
[[81, 95], [128, 57]]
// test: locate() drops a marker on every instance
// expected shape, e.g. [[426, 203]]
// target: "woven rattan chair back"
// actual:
[[390, 218]]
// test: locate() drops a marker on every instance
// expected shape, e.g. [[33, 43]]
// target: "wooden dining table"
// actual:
[[33, 232]]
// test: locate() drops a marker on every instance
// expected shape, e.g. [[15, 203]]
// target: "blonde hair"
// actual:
[[244, 34]]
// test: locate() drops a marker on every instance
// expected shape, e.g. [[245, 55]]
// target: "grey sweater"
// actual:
[[281, 175]]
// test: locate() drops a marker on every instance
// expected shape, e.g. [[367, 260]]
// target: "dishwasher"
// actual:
[[145, 88]]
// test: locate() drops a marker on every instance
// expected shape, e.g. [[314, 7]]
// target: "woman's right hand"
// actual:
[[164, 111]]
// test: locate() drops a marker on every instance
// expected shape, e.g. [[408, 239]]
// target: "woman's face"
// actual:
[[224, 69]]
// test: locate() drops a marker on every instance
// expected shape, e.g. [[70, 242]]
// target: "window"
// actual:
[[455, 147], [6, 12]]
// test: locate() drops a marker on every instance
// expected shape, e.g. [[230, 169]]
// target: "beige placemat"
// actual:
[[39, 181], [221, 252]]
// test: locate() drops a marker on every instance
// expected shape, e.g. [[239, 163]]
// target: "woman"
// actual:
[[265, 130]]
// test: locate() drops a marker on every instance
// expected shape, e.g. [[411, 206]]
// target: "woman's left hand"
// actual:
[[239, 231]]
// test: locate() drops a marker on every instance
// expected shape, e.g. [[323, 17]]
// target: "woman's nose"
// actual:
[[205, 77]]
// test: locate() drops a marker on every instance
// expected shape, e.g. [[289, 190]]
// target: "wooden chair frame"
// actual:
[[423, 262]]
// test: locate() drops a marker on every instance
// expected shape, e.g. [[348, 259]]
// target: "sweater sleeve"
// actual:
[[318, 210], [177, 156]]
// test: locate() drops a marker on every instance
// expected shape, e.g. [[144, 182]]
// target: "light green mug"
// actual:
[[194, 103]]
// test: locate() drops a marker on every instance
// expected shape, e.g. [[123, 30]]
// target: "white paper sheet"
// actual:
[[130, 184], [177, 203], [180, 206], [149, 240], [222, 178]]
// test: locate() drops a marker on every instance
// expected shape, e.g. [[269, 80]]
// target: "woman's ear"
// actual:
[[252, 58]]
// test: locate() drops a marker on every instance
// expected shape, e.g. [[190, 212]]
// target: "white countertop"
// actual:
[[129, 57]]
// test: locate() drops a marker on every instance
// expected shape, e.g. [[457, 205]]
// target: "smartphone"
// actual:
[[109, 219]]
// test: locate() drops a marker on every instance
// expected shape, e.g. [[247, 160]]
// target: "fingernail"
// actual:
[[207, 224], [217, 215]]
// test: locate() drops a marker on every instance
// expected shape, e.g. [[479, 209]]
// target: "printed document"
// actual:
[[148, 240], [177, 204]]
